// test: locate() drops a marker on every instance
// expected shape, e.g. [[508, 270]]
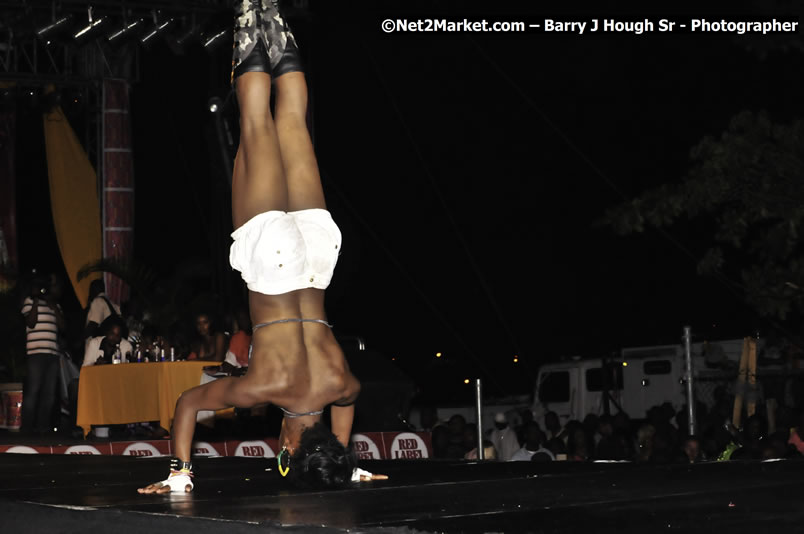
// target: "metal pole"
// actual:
[[481, 452], [688, 375]]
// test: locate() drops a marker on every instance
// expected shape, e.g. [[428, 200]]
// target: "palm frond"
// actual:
[[138, 276]]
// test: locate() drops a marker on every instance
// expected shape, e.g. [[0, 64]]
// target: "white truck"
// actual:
[[638, 379]]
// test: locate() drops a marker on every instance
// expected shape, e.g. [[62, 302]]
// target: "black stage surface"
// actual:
[[67, 493]]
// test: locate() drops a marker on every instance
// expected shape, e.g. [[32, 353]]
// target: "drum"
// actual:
[[12, 402]]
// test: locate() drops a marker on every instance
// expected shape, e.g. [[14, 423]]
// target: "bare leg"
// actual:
[[258, 182], [329, 371], [296, 147]]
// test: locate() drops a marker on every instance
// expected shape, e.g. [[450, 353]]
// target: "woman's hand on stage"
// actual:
[[160, 488], [361, 475], [372, 476]]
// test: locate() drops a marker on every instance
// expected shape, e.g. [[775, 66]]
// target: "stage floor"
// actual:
[[66, 493]]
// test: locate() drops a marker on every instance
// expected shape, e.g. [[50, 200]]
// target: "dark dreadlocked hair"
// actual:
[[321, 461]]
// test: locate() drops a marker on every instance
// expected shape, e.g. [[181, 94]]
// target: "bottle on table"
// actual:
[[172, 354], [154, 352], [117, 357]]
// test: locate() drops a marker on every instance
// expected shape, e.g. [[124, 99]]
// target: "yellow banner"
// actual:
[[73, 199]]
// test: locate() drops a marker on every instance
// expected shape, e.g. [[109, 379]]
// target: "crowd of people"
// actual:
[[662, 438], [110, 335]]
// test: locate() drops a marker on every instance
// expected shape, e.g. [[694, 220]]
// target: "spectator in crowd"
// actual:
[[235, 363], [135, 319], [590, 425], [665, 436], [607, 447], [621, 423], [557, 447], [552, 425], [503, 438], [240, 341], [180, 339], [578, 443], [101, 349], [428, 418], [752, 437], [776, 447], [44, 319], [525, 417], [456, 447], [797, 434], [534, 444], [100, 307], [210, 343], [644, 440], [470, 437], [691, 450], [440, 440]]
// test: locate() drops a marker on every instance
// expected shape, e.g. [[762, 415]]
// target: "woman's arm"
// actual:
[[341, 418], [342, 413], [220, 348]]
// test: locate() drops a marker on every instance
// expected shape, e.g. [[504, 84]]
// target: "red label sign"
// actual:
[[365, 447], [408, 446], [254, 449]]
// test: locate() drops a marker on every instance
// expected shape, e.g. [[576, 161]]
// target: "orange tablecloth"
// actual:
[[134, 392]]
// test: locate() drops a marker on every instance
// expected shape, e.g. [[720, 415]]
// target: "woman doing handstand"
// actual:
[[285, 246]]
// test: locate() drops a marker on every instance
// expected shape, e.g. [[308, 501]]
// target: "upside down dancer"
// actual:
[[285, 246]]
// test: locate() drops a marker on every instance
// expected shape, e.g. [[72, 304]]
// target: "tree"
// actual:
[[745, 191]]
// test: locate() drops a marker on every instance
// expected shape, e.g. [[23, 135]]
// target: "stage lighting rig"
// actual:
[[91, 28], [159, 28], [214, 40], [127, 30], [56, 27], [178, 43]]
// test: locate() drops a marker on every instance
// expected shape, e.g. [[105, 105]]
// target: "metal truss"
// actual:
[[29, 55]]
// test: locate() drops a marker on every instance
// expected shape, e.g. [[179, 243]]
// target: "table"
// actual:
[[134, 392]]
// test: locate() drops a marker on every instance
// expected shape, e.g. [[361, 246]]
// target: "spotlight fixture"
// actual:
[[92, 25], [212, 41], [215, 105], [126, 31], [55, 27], [157, 30]]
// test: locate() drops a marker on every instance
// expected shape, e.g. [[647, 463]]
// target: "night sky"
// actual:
[[468, 171]]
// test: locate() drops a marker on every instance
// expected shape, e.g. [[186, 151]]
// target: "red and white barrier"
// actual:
[[367, 446]]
